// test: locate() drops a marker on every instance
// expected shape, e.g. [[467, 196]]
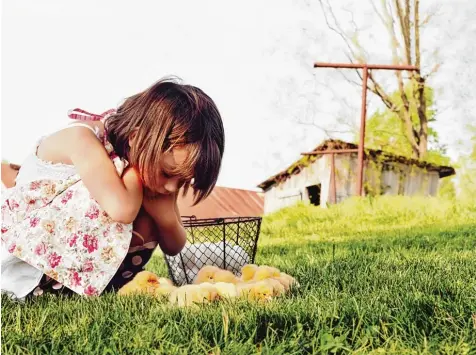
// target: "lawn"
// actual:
[[389, 275]]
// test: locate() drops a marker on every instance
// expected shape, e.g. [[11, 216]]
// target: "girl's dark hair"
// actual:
[[167, 115]]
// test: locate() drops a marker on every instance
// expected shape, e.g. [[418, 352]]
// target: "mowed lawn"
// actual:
[[378, 276]]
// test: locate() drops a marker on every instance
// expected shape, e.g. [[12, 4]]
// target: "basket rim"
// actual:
[[191, 221]]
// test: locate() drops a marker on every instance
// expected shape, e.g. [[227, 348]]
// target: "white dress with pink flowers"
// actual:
[[51, 225]]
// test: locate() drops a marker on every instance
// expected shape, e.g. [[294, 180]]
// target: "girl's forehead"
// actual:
[[176, 157]]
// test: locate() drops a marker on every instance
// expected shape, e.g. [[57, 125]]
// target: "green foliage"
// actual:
[[467, 170], [385, 131], [446, 188], [303, 162], [389, 275]]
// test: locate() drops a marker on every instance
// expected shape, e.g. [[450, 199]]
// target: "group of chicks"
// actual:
[[257, 283]]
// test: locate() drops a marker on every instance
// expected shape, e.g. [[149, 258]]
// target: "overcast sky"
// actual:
[[254, 58]]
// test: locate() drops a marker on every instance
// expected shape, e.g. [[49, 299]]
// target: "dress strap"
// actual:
[[139, 236], [82, 115]]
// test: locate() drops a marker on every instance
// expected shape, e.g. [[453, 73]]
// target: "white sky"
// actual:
[[252, 57]]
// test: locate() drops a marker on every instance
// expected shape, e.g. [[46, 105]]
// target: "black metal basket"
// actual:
[[228, 243]]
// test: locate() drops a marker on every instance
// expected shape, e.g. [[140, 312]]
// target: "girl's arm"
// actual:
[[164, 212], [120, 198]]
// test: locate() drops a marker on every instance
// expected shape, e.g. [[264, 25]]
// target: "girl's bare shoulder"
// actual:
[[57, 147]]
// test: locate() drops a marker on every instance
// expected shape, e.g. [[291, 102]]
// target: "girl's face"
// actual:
[[167, 183]]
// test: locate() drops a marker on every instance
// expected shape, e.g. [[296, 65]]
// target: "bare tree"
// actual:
[[401, 19]]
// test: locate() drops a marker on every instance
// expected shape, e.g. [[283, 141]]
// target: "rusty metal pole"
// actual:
[[360, 177], [333, 179]]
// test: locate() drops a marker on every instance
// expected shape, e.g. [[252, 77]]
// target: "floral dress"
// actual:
[[136, 259]]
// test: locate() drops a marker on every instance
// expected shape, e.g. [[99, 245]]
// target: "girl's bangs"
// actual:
[[185, 171]]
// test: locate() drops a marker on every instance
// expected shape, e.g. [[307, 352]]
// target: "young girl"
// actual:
[[170, 137]]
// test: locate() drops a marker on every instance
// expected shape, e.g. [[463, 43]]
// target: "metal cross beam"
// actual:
[[365, 68]]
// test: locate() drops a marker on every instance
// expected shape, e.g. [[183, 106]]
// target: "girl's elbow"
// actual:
[[177, 246], [123, 215], [173, 251]]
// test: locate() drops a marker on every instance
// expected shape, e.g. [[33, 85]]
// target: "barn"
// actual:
[[322, 179]]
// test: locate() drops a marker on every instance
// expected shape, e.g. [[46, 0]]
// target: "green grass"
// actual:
[[390, 275]]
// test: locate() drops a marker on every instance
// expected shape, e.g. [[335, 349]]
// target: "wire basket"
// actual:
[[228, 243]]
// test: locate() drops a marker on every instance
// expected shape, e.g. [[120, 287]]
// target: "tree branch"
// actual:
[[417, 33], [349, 80], [378, 90], [435, 68], [408, 35], [404, 114], [377, 12], [404, 21], [401, 18], [338, 31]]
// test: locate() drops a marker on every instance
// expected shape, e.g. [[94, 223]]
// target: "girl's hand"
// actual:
[[159, 204]]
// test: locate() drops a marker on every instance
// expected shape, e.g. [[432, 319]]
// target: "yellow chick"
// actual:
[[284, 282], [164, 290], [225, 276], [206, 274], [213, 292], [248, 272], [166, 286], [278, 288], [226, 289], [144, 282], [260, 291], [287, 281], [165, 281], [265, 272], [192, 295], [214, 274]]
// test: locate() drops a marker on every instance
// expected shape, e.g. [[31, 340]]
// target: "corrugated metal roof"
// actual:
[[223, 202]]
